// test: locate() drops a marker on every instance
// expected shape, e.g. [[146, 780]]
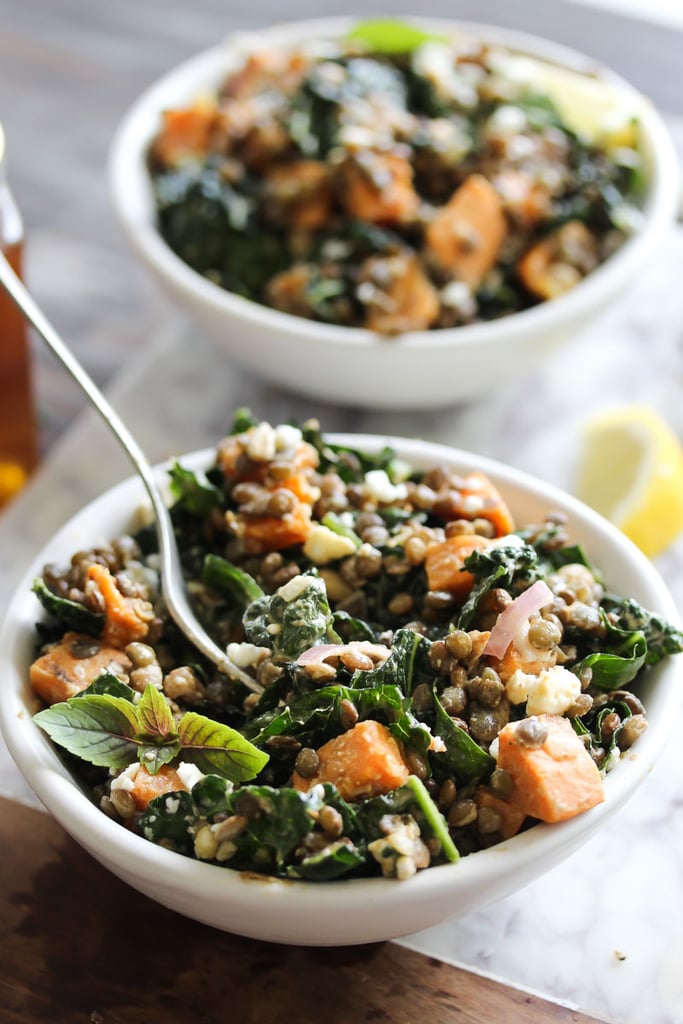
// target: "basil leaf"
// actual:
[[217, 749], [386, 35], [154, 715], [99, 729], [71, 614], [193, 490], [465, 759], [231, 581], [154, 755]]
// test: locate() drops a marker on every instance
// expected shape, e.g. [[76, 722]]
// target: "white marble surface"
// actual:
[[604, 931]]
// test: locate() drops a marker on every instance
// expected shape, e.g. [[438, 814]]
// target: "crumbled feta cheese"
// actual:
[[126, 780], [287, 437], [189, 774], [380, 487], [244, 655], [507, 120], [552, 691], [517, 686], [172, 804], [324, 545], [472, 503], [295, 587], [261, 442], [509, 540]]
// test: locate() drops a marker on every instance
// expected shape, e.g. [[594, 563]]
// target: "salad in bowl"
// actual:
[[421, 675]]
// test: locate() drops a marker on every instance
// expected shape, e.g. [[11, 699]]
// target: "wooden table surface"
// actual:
[[77, 945]]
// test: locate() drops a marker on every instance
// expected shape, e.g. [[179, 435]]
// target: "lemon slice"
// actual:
[[12, 479], [595, 108], [631, 471]]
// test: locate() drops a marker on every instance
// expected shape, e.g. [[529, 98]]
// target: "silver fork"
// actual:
[[172, 582]]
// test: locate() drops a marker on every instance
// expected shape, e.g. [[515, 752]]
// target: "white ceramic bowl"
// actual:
[[352, 365], [342, 912]]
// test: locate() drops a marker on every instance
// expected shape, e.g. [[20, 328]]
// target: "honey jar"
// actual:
[[18, 429]]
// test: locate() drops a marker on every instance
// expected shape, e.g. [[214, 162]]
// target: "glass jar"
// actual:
[[18, 430]]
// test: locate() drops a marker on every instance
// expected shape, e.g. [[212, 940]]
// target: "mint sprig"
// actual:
[[112, 732]]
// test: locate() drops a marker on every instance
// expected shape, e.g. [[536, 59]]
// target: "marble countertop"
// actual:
[[602, 932]]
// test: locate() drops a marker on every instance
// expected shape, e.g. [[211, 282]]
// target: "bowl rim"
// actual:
[[130, 193], [69, 803]]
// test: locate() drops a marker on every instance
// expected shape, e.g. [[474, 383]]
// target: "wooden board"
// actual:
[[77, 946]]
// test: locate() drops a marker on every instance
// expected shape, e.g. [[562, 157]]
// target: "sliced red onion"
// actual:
[[515, 615], [321, 652]]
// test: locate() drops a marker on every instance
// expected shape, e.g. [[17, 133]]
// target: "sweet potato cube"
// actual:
[[126, 619], [64, 671], [444, 563], [553, 781], [147, 786], [467, 233], [363, 762], [378, 187]]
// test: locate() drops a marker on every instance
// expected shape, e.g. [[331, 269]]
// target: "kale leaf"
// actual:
[[662, 637], [71, 614], [292, 619]]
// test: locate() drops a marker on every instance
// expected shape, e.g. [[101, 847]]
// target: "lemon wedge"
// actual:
[[631, 471], [595, 108], [12, 479]]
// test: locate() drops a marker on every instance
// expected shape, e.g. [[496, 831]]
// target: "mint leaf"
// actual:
[[99, 729], [154, 715], [217, 749], [385, 35]]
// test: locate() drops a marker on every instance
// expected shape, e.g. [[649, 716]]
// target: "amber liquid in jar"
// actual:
[[18, 433]]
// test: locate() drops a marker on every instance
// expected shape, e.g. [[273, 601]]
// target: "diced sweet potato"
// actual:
[[559, 262], [402, 298], [444, 563], [126, 619], [378, 187], [272, 533], [71, 665], [555, 780], [185, 133], [511, 817], [365, 761], [146, 786], [467, 233], [475, 497]]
